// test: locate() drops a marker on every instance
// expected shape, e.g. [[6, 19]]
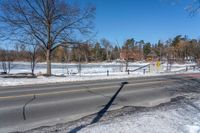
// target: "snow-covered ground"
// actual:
[[90, 71], [181, 115], [73, 68]]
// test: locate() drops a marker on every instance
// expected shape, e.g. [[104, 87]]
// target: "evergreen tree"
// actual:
[[146, 49]]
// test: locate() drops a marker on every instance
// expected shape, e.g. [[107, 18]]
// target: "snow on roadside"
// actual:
[[180, 117], [55, 79]]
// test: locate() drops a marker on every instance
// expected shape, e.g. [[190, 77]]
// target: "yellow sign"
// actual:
[[158, 64]]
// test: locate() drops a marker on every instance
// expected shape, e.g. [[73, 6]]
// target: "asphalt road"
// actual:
[[27, 107]]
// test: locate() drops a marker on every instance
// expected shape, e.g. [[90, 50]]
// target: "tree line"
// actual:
[[179, 49]]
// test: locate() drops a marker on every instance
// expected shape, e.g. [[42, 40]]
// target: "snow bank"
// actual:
[[70, 78]]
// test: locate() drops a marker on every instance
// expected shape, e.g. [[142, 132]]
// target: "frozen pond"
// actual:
[[90, 68]]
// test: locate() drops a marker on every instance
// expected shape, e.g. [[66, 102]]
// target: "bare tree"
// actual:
[[108, 48], [128, 50], [51, 22], [194, 7], [85, 51], [30, 48], [32, 51], [33, 56]]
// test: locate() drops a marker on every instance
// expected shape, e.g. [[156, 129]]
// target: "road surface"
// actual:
[[26, 107]]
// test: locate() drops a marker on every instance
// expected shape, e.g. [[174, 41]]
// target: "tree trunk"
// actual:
[[107, 56], [126, 65], [96, 56], [48, 60], [86, 59]]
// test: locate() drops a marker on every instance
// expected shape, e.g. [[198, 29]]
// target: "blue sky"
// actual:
[[150, 20]]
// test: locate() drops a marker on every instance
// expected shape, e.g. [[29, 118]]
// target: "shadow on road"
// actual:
[[24, 107], [101, 113]]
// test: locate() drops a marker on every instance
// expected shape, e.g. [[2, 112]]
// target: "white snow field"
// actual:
[[91, 71]]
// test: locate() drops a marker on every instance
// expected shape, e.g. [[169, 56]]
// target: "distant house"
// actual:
[[152, 56]]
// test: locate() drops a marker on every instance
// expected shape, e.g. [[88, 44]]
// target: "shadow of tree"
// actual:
[[101, 113], [24, 107]]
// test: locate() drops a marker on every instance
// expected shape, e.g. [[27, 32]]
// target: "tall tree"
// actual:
[[97, 51], [146, 49], [108, 48], [32, 52], [127, 50], [85, 51], [51, 22], [159, 48], [116, 52]]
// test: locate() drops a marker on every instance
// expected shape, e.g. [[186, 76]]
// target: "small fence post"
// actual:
[[186, 68], [149, 67], [193, 68], [107, 73], [128, 71], [144, 71]]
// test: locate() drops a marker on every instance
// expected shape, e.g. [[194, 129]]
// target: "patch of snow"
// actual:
[[192, 128]]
